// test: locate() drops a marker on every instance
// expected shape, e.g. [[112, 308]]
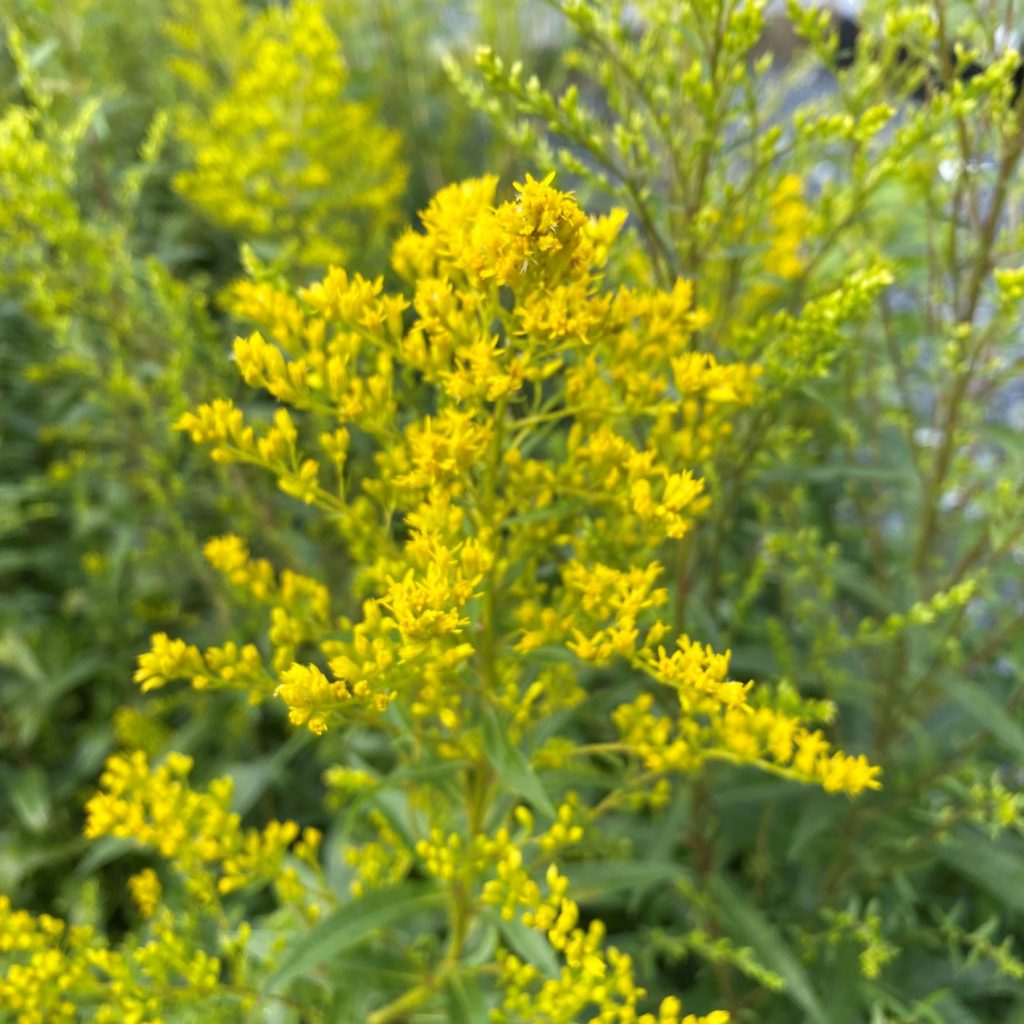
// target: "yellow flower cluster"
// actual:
[[300, 606], [607, 604], [633, 483], [596, 981], [196, 831], [445, 855], [713, 729], [791, 224], [34, 985], [204, 35], [55, 972], [554, 456], [717, 721], [775, 234], [226, 666], [278, 154], [146, 891], [300, 613], [541, 239], [381, 862], [40, 222]]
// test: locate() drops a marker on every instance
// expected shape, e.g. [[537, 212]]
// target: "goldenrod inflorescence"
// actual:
[[278, 154], [509, 451], [541, 439]]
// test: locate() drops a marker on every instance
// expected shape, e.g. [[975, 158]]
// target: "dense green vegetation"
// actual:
[[389, 529]]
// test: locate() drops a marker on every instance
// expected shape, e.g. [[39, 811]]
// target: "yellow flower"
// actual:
[[790, 219], [146, 891]]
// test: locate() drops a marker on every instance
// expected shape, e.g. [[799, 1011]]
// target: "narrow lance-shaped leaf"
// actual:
[[348, 926], [770, 946], [512, 766]]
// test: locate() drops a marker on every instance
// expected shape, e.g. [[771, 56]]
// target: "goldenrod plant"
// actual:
[[106, 330], [98, 345], [866, 539], [595, 617], [278, 155], [506, 450], [109, 326]]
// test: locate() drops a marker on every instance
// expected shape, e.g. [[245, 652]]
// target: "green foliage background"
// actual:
[[866, 539]]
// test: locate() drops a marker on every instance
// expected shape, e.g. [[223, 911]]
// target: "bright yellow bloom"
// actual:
[[195, 831], [146, 891], [278, 153], [790, 220], [511, 453], [56, 970]]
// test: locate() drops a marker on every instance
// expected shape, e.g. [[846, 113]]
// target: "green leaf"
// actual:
[[348, 926], [102, 851], [18, 655], [552, 653], [1010, 439], [30, 796], [855, 580], [955, 1012], [39, 55], [596, 880], [834, 473], [558, 510], [988, 713], [253, 778], [512, 767], [818, 815], [438, 771], [529, 946], [465, 1000], [995, 867], [772, 949], [18, 861]]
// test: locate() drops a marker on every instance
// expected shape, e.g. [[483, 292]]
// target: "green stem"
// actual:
[[399, 1008]]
